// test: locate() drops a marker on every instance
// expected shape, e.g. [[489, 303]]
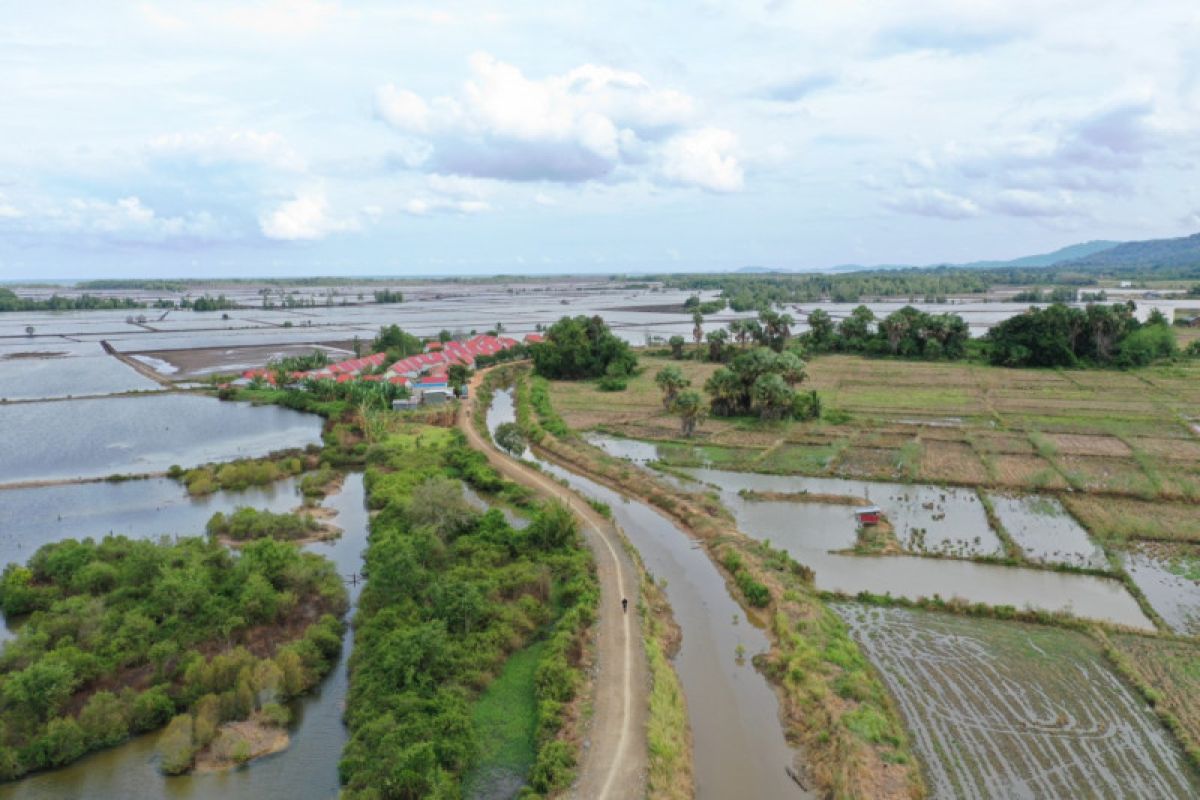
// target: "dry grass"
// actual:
[[1116, 519], [1119, 433], [951, 462], [1026, 471], [1084, 445]]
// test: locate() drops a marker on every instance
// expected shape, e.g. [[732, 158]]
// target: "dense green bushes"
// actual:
[[237, 476], [451, 594], [247, 523], [756, 593], [1061, 336], [103, 612], [582, 347]]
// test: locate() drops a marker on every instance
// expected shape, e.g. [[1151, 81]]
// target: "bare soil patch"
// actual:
[[239, 742]]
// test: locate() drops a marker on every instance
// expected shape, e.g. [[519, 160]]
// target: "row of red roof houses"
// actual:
[[426, 370]]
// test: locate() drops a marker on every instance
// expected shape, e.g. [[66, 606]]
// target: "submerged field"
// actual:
[[1006, 709]]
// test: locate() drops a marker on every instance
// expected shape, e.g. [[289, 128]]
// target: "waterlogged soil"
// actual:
[[1046, 532], [141, 434], [915, 577], [739, 747], [83, 370], [1172, 587], [932, 519], [306, 769], [1003, 709]]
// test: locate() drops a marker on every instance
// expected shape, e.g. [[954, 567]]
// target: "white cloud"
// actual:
[[8, 210], [452, 194], [1027, 203], [580, 125], [402, 109], [221, 146], [706, 158], [934, 203], [282, 17], [306, 217]]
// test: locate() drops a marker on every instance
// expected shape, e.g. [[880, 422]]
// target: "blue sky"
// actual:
[[265, 138]]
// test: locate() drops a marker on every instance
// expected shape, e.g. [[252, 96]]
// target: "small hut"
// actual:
[[868, 515]]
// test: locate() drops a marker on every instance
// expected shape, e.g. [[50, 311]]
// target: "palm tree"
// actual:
[[689, 406], [716, 344], [725, 389], [791, 369], [671, 380], [697, 326], [773, 397]]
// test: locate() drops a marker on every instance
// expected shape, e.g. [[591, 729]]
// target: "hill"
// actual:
[[1159, 255]]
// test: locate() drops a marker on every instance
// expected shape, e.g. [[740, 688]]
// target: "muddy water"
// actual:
[[915, 577], [1046, 532], [739, 745], [146, 433], [926, 518], [138, 509], [1176, 598], [307, 769]]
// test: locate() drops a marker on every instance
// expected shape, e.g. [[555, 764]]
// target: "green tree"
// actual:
[[508, 435], [554, 526], [820, 330], [458, 375], [773, 397], [582, 347], [676, 343], [670, 380], [689, 406]]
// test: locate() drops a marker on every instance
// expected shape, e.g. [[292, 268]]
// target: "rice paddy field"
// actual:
[[1171, 667], [1002, 709]]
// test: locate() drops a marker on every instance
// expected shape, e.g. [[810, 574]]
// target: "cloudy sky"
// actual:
[[369, 138]]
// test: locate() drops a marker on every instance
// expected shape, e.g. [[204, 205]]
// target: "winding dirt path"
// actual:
[[613, 761]]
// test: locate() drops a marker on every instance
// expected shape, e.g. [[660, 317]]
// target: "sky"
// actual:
[[206, 139]]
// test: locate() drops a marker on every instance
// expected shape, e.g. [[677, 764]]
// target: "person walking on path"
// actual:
[[624, 605]]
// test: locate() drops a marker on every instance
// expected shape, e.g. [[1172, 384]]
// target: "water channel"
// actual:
[[738, 739]]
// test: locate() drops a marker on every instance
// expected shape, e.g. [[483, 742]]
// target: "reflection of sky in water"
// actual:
[[149, 433]]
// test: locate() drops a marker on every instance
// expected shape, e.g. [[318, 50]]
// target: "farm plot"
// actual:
[[1008, 710], [1172, 668]]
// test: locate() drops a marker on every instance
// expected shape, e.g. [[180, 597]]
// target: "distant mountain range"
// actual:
[[1162, 254]]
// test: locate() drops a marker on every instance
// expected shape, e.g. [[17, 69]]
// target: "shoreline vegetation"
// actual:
[[833, 703], [451, 594], [124, 636]]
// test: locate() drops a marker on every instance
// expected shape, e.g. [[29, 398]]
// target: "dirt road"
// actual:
[[613, 761]]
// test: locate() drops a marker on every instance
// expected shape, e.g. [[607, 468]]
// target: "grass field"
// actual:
[[1007, 709], [505, 723], [1125, 436]]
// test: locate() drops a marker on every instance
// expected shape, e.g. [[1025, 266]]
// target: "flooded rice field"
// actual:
[[1046, 532], [306, 769], [914, 577], [931, 519], [738, 740], [33, 373], [1003, 709], [140, 509], [1172, 586], [137, 434]]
